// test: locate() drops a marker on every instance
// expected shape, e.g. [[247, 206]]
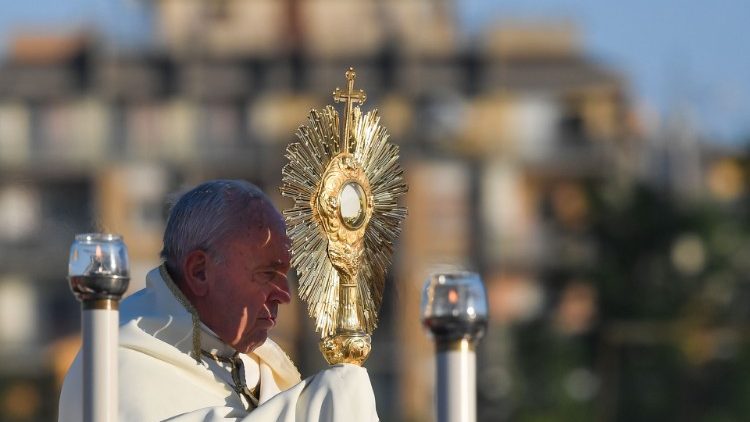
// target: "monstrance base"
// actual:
[[346, 347]]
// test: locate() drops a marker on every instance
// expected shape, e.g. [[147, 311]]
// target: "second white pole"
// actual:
[[456, 382]]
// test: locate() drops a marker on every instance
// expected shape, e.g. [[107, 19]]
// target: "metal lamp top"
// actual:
[[454, 306], [98, 254], [98, 268]]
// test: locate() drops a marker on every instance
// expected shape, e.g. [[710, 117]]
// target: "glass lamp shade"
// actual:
[[98, 267], [454, 306]]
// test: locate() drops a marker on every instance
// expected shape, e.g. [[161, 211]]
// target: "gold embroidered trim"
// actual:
[[196, 352]]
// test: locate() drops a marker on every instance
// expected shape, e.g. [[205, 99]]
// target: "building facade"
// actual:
[[499, 134]]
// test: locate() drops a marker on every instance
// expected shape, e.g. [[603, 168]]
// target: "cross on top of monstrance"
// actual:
[[344, 221], [350, 97]]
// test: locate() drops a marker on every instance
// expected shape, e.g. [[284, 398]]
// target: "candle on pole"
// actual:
[[98, 274], [454, 310]]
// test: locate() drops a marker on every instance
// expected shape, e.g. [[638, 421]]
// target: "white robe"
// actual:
[[159, 380]]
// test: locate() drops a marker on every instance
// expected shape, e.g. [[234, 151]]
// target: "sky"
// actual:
[[680, 57], [686, 58]]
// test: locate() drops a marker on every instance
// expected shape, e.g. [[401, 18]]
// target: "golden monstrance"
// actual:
[[344, 221]]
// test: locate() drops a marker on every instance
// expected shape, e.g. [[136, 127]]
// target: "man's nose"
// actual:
[[281, 292]]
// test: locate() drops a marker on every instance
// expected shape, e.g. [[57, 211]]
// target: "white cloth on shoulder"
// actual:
[[160, 380]]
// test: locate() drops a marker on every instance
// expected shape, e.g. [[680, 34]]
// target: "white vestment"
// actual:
[[160, 380]]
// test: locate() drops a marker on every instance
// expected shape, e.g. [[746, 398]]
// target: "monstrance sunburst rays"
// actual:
[[331, 249]]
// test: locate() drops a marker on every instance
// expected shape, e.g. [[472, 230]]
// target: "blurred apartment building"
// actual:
[[499, 136]]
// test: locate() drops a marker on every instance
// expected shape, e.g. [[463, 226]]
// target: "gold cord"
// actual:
[[237, 368], [196, 352]]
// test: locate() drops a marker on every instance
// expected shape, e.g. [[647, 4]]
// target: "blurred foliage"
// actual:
[[670, 338]]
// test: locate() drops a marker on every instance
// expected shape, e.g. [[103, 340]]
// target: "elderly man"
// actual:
[[193, 343]]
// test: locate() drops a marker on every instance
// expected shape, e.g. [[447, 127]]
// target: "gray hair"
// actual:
[[205, 215]]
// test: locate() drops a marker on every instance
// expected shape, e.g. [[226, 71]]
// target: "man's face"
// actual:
[[247, 283]]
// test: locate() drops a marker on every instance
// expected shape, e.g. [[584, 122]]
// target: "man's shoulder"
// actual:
[[136, 304], [150, 387], [156, 386]]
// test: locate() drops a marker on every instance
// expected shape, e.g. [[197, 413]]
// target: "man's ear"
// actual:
[[194, 270]]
